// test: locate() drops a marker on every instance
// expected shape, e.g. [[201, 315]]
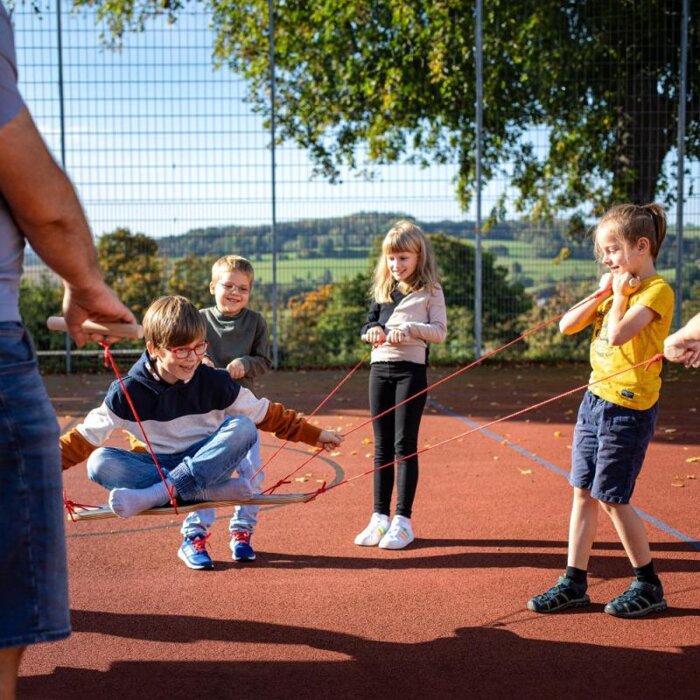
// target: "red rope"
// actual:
[[313, 413], [478, 361], [646, 364], [109, 360], [595, 295], [71, 506]]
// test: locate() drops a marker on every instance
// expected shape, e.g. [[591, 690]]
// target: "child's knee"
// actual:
[[243, 428], [96, 464]]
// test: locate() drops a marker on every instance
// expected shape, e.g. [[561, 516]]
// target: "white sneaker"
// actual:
[[399, 535], [373, 533]]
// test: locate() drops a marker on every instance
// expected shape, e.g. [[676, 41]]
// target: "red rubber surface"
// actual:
[[317, 617]]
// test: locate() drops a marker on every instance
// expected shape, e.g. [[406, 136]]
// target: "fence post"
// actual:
[[477, 232], [61, 106], [273, 197], [680, 174]]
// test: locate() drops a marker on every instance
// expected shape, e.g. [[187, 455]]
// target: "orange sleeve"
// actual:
[[74, 448], [288, 425]]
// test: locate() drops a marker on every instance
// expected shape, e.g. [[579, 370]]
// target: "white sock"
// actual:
[[229, 490], [128, 502]]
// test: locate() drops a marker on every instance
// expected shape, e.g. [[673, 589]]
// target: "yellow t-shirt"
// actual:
[[638, 388]]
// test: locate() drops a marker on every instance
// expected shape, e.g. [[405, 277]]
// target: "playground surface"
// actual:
[[318, 617]]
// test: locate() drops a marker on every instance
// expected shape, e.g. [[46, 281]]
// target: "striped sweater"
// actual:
[[175, 416]]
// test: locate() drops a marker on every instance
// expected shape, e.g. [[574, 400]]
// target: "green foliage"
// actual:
[[322, 327], [398, 77], [131, 267], [548, 342], [502, 301], [190, 276], [38, 301]]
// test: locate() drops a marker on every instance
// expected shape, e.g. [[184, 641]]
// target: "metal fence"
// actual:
[[167, 152]]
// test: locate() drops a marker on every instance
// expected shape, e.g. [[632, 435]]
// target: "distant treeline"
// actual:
[[352, 236]]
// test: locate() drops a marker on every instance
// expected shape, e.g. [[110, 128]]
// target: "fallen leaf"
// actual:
[[557, 433], [366, 441], [301, 479], [669, 430], [369, 454], [336, 454], [525, 472], [354, 452], [678, 484], [690, 476], [692, 460]]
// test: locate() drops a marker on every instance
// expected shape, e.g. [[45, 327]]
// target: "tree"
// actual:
[[398, 78], [131, 267], [190, 276], [38, 301]]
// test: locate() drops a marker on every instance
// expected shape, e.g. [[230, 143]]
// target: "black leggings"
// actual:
[[396, 434]]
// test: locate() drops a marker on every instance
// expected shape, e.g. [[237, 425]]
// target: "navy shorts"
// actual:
[[610, 443], [33, 572]]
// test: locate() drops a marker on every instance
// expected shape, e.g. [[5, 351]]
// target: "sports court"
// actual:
[[318, 617]]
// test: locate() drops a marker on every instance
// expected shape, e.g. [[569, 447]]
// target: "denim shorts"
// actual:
[[610, 443], [33, 572]]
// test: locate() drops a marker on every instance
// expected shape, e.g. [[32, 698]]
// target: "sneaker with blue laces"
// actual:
[[193, 551], [240, 546], [565, 593], [639, 599]]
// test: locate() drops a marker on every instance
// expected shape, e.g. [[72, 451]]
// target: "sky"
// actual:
[[160, 142]]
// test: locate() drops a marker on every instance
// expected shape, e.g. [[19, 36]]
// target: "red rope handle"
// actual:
[[109, 360], [313, 413]]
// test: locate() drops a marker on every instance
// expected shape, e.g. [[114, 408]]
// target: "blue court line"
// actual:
[[558, 470]]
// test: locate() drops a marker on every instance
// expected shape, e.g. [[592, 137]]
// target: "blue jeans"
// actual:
[[205, 463], [33, 571], [244, 517]]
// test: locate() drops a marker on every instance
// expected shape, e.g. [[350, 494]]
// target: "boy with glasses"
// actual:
[[237, 340], [200, 423]]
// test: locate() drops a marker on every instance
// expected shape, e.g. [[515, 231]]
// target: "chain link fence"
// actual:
[[174, 166]]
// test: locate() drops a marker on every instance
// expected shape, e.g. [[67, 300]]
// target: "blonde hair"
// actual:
[[232, 263], [405, 237], [631, 222], [173, 321]]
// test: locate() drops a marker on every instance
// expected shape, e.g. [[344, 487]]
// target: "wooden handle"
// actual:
[[123, 330]]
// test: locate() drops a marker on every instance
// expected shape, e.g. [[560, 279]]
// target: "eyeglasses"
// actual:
[[234, 288], [184, 353]]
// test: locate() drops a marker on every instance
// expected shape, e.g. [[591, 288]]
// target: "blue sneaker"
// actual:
[[193, 551], [240, 546]]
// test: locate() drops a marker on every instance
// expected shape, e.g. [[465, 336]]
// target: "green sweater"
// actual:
[[242, 337]]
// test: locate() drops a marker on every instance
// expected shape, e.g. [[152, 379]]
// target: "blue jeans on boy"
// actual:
[[33, 571], [205, 463], [244, 518]]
